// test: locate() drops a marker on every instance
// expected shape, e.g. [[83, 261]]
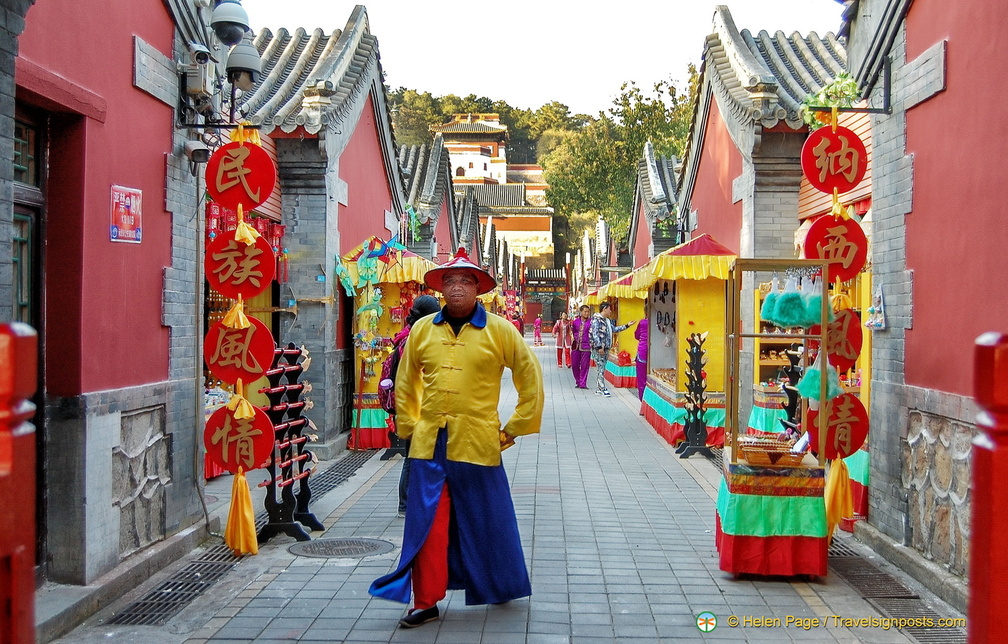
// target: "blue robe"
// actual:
[[485, 556]]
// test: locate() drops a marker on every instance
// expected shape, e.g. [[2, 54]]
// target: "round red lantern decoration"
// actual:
[[238, 442], [834, 160], [235, 268], [844, 340], [240, 173], [847, 430], [239, 353], [842, 242]]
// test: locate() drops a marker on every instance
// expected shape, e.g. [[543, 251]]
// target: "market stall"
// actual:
[[686, 286], [383, 279], [772, 516]]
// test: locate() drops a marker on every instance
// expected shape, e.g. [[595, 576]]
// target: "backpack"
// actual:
[[386, 394]]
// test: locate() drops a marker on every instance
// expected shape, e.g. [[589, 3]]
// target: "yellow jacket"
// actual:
[[444, 380]]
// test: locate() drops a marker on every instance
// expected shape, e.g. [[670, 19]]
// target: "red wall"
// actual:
[[957, 230], [643, 240], [442, 234], [104, 299], [720, 164], [369, 196]]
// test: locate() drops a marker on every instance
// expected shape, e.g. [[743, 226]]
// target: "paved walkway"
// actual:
[[617, 530]]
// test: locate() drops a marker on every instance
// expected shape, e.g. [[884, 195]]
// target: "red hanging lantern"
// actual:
[[842, 242], [847, 430], [238, 442], [845, 336], [834, 160], [235, 268], [240, 174], [239, 353]]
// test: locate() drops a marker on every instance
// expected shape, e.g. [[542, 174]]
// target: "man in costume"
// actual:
[[601, 333], [460, 530]]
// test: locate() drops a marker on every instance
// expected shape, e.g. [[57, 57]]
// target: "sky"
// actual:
[[531, 52]]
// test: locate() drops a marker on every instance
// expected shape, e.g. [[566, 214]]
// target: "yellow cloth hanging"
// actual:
[[239, 404], [235, 317], [839, 500], [240, 533]]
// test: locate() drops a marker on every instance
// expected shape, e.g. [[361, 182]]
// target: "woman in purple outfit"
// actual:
[[581, 347], [642, 356]]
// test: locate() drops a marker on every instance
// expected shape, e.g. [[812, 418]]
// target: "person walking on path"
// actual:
[[537, 331], [562, 333], [581, 347], [422, 306], [642, 356], [461, 531], [601, 335]]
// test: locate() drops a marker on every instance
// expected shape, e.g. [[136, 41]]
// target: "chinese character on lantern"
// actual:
[[233, 442], [844, 343], [240, 174], [847, 427], [235, 268], [834, 160], [239, 353], [840, 241]]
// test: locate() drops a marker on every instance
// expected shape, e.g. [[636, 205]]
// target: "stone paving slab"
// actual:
[[617, 530]]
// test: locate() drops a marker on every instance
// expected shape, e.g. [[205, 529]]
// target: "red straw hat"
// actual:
[[435, 277]]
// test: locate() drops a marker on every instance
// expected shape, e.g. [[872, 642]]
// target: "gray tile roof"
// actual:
[[312, 79], [766, 77], [469, 128], [427, 169], [656, 182], [499, 194]]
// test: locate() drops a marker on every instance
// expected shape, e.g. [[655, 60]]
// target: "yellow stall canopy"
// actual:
[[697, 259], [623, 288]]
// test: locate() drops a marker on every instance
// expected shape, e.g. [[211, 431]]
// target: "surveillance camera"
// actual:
[[199, 53], [243, 65], [196, 151], [229, 22]]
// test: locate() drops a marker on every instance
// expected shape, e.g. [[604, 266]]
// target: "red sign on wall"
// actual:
[[238, 442], [240, 173], [845, 338], [842, 242], [235, 268], [834, 159], [127, 215], [847, 430], [239, 353]]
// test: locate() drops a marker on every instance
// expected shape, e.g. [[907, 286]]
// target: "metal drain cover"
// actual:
[[340, 548]]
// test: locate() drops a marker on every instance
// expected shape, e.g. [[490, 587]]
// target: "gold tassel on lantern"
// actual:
[[839, 500], [236, 318], [240, 533]]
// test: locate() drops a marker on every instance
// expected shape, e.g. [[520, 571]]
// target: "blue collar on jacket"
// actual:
[[479, 318]]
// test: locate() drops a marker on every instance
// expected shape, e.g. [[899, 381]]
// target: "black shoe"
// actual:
[[419, 617]]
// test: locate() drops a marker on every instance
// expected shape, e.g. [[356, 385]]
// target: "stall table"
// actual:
[[770, 520]]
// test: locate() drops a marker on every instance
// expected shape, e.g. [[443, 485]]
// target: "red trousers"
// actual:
[[561, 353], [430, 568]]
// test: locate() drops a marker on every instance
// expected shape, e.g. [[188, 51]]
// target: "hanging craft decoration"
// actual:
[[239, 353], [845, 338], [847, 429], [234, 439], [240, 174], [876, 312], [834, 159], [842, 242]]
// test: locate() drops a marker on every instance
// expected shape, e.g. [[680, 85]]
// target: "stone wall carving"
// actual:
[[936, 474], [141, 469]]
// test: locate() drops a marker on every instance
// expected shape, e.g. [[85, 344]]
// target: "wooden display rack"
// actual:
[[771, 520]]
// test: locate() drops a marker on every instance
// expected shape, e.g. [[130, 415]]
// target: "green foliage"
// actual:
[[841, 92]]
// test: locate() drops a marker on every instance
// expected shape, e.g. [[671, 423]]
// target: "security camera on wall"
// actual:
[[196, 151], [200, 54], [229, 22]]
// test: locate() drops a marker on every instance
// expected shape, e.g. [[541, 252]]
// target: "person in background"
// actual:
[[642, 356], [519, 324], [537, 331], [422, 306], [601, 336], [581, 347], [461, 531], [562, 333]]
